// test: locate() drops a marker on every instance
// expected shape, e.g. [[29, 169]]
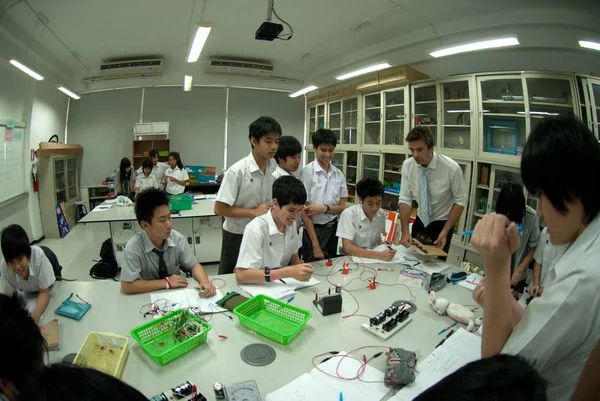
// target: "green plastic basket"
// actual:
[[157, 339], [271, 318], [181, 202]]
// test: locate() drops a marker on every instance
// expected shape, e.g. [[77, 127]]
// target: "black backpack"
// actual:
[[107, 266]]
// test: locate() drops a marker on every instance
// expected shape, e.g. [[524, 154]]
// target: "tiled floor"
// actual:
[[78, 250]]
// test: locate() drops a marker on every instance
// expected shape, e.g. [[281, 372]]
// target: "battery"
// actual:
[[219, 391], [183, 390], [160, 397]]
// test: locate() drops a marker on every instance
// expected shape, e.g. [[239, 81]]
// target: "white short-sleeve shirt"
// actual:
[[529, 237], [41, 275], [355, 226], [445, 182], [245, 186], [560, 328], [323, 188], [264, 245], [142, 182], [279, 172], [547, 254], [172, 187]]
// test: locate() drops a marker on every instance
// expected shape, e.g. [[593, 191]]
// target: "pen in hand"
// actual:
[[469, 233]]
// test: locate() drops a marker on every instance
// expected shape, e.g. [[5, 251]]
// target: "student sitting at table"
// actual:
[[154, 255], [558, 330], [158, 168], [175, 176], [361, 225], [25, 268], [545, 257], [24, 348], [271, 240], [145, 180], [125, 179]]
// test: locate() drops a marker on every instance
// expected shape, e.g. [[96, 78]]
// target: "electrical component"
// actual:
[[338, 289], [219, 391], [329, 263], [346, 268], [389, 325], [371, 284], [328, 305], [383, 333], [374, 321], [183, 390], [160, 397], [391, 310]]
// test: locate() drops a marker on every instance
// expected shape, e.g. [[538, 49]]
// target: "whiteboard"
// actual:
[[12, 138]]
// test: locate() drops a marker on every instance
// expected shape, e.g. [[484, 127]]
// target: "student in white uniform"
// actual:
[[175, 176], [436, 182], [245, 192], [546, 256], [271, 240], [146, 179], [557, 331], [158, 168], [361, 225], [25, 268], [288, 160], [24, 351], [327, 193], [125, 178]]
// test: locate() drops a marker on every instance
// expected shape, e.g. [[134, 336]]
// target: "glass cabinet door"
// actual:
[[310, 156], [335, 118], [351, 167], [595, 94], [426, 108], [350, 121], [59, 180], [503, 128], [456, 115], [312, 123], [338, 161], [500, 177], [372, 130], [371, 164], [395, 116], [320, 116], [392, 175], [548, 97], [481, 187]]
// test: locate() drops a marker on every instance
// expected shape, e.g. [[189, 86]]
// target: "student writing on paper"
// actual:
[[158, 168], [361, 225], [153, 255], [125, 178], [288, 160], [145, 180], [25, 268], [546, 255], [24, 348], [558, 330], [327, 193], [245, 192], [175, 176], [271, 241]]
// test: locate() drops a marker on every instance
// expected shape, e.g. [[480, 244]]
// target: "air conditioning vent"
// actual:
[[239, 67], [131, 67]]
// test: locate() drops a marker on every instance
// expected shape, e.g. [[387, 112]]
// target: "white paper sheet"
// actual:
[[297, 285], [471, 282], [304, 388], [188, 298], [435, 266], [276, 290], [399, 258], [102, 208]]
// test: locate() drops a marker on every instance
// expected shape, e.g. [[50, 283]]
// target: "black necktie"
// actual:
[[162, 266]]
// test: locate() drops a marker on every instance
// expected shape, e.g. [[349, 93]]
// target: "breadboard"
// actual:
[[384, 335]]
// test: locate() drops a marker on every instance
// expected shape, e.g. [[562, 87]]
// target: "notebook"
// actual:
[[275, 290], [298, 285], [51, 333], [471, 282]]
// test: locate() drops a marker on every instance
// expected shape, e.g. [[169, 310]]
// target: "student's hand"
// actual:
[[208, 289], [406, 240], [302, 272], [494, 241], [311, 210], [261, 209], [517, 274], [479, 292], [440, 242], [387, 255], [536, 291], [317, 252], [177, 281]]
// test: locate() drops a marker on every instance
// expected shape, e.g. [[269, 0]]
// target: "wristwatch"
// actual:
[[328, 211], [267, 274]]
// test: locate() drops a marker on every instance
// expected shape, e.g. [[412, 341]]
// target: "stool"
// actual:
[[80, 210]]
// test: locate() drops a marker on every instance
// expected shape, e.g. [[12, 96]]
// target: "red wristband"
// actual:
[[273, 275], [168, 283]]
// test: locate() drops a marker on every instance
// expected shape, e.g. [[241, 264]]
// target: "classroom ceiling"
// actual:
[[330, 36]]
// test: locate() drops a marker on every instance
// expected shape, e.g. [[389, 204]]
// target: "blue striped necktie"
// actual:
[[425, 204]]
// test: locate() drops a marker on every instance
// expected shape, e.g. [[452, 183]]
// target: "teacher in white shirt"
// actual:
[[437, 184]]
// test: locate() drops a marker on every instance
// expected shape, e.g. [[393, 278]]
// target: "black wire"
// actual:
[[289, 35]]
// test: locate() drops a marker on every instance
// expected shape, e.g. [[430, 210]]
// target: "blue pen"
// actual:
[[341, 396], [290, 299], [470, 232]]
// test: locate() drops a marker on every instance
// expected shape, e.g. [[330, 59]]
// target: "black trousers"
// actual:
[[433, 230], [328, 241], [230, 249]]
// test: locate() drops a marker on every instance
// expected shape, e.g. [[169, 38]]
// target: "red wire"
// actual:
[[360, 371]]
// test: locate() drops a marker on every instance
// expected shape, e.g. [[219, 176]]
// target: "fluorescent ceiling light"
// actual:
[[589, 45], [199, 40], [68, 92], [469, 47], [188, 83], [304, 90], [25, 69], [363, 71]]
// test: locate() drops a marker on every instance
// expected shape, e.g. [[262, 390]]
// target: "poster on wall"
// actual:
[[8, 135], [17, 135]]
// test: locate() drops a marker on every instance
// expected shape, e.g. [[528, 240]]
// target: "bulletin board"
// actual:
[[12, 139]]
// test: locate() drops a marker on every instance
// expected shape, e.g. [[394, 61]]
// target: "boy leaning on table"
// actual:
[[271, 240], [154, 255]]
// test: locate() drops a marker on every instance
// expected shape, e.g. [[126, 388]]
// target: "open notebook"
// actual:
[[317, 385], [280, 289], [459, 349]]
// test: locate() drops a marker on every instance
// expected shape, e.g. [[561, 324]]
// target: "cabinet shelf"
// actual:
[[334, 114], [483, 187], [372, 122], [351, 166], [477, 214], [456, 100], [427, 102], [392, 172], [394, 105], [350, 128], [427, 125], [504, 115], [563, 105], [371, 168], [373, 108], [456, 126], [398, 120], [351, 184], [498, 101], [390, 193]]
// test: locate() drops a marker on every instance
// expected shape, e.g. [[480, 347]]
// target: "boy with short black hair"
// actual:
[[288, 156], [145, 180], [327, 193], [245, 192], [153, 255], [158, 168], [24, 348], [271, 240], [26, 268], [361, 226]]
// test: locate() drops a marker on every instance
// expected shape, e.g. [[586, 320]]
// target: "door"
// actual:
[[207, 230]]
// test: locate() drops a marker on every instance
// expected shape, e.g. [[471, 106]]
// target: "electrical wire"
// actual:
[[285, 36]]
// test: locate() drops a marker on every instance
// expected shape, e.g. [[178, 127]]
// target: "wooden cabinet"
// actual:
[[142, 148]]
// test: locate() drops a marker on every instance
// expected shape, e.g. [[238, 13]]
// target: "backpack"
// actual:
[[56, 267], [107, 266]]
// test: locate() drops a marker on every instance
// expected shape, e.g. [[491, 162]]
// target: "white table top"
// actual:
[[219, 360], [200, 208]]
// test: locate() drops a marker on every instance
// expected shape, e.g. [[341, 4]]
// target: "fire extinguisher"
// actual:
[[34, 177]]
